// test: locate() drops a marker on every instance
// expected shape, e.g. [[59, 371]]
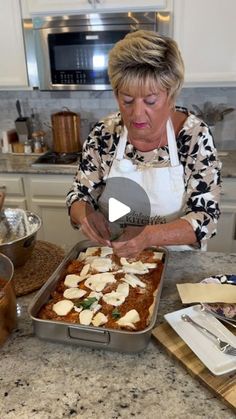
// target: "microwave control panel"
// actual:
[[79, 77]]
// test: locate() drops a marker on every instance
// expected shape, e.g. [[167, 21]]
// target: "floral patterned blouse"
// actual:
[[197, 154]]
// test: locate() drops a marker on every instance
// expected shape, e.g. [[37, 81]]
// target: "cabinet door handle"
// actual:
[[3, 188]]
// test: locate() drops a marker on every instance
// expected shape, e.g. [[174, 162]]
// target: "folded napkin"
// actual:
[[207, 293]]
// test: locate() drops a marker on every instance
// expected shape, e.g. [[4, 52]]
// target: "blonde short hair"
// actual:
[[145, 57]]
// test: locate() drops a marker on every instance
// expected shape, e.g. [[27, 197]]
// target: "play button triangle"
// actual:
[[116, 209]]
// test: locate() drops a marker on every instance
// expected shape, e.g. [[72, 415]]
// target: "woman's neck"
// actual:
[[177, 118], [143, 144], [151, 145]]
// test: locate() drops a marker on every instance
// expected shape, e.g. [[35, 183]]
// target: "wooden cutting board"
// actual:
[[224, 386]]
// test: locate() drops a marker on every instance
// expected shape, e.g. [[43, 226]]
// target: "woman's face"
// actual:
[[144, 114]]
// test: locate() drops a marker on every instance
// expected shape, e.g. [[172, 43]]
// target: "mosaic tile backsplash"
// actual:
[[94, 105]]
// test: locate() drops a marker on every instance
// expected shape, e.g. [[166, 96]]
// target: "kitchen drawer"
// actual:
[[15, 202], [50, 186], [13, 185], [228, 192]]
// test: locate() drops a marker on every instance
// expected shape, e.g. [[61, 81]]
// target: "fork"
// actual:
[[223, 346]]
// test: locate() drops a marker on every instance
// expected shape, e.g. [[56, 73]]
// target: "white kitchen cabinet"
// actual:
[[44, 7], [225, 240], [47, 194], [13, 186], [206, 33], [13, 73]]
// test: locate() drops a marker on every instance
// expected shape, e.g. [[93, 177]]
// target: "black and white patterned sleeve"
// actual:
[[95, 161], [203, 182]]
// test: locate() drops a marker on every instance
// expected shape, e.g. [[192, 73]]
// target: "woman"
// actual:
[[174, 149]]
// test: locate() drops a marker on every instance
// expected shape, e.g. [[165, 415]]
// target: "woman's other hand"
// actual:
[[132, 241], [135, 239], [92, 223]]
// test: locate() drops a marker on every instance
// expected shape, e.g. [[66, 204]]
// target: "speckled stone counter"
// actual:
[[13, 163], [10, 163], [44, 380]]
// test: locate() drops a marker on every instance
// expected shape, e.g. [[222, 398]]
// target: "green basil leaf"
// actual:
[[86, 303], [116, 314]]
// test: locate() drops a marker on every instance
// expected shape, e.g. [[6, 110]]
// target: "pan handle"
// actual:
[[90, 336]]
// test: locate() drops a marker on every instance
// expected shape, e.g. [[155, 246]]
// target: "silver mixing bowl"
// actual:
[[18, 231]]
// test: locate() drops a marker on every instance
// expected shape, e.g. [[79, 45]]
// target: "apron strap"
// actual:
[[174, 158], [120, 151]]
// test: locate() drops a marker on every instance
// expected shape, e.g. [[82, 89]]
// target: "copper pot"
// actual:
[[8, 317], [66, 132]]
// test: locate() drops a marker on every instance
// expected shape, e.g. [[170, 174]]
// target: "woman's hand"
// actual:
[[135, 239], [132, 241], [92, 223]]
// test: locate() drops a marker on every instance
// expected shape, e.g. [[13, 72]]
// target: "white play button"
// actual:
[[116, 209], [123, 202]]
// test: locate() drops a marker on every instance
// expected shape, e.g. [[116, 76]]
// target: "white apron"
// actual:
[[163, 185]]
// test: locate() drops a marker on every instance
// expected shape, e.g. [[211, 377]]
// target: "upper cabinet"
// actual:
[[206, 34], [13, 71], [44, 7]]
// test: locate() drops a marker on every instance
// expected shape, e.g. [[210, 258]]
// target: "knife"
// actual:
[[19, 111]]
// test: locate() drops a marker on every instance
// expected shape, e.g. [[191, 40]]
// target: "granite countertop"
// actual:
[[13, 163], [45, 380]]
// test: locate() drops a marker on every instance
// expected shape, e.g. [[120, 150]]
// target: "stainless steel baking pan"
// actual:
[[94, 337]]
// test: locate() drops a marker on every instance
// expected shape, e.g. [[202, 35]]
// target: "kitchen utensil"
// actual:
[[222, 345], [91, 336], [218, 316], [22, 124], [222, 386], [7, 298], [18, 231], [18, 108], [66, 132], [200, 344]]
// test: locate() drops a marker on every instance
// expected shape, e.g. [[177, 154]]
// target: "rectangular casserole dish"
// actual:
[[91, 336]]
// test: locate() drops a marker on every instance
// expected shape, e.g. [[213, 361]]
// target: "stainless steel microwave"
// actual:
[[71, 52]]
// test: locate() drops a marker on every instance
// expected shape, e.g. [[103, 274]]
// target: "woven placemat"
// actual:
[[35, 272]]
